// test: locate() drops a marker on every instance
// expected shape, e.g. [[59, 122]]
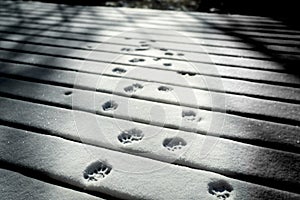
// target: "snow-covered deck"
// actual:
[[118, 103]]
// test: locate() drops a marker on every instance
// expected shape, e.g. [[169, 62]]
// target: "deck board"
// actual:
[[75, 81]]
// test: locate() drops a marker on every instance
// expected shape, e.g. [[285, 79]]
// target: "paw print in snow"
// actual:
[[220, 189], [133, 88], [110, 105], [189, 115], [119, 70], [130, 136], [136, 60], [173, 144], [97, 171]]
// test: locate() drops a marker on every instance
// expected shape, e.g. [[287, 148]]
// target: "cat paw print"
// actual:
[[110, 105], [96, 171], [137, 60], [130, 136], [164, 88], [174, 144], [126, 49], [143, 46], [169, 54], [220, 189], [119, 70], [187, 73], [167, 64], [189, 115], [133, 88]]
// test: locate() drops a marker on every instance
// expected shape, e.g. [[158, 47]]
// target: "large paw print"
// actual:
[[130, 136], [220, 189], [174, 144], [97, 171]]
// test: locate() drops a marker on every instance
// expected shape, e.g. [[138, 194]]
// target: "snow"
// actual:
[[195, 150], [242, 105], [155, 113], [14, 186], [146, 113], [130, 177]]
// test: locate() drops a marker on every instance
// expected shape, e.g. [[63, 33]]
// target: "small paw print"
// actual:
[[220, 189], [129, 136], [189, 115], [97, 171], [110, 105], [133, 88], [174, 144]]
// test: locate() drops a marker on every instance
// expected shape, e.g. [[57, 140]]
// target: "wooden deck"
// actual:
[[118, 103]]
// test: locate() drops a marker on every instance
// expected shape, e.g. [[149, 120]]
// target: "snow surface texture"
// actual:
[[159, 143], [185, 118], [204, 68], [114, 172], [178, 70], [196, 98], [137, 138], [15, 186]]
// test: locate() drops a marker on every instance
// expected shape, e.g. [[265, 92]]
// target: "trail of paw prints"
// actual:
[[130, 136], [110, 105], [96, 171], [220, 189], [189, 115], [174, 144], [133, 88]]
